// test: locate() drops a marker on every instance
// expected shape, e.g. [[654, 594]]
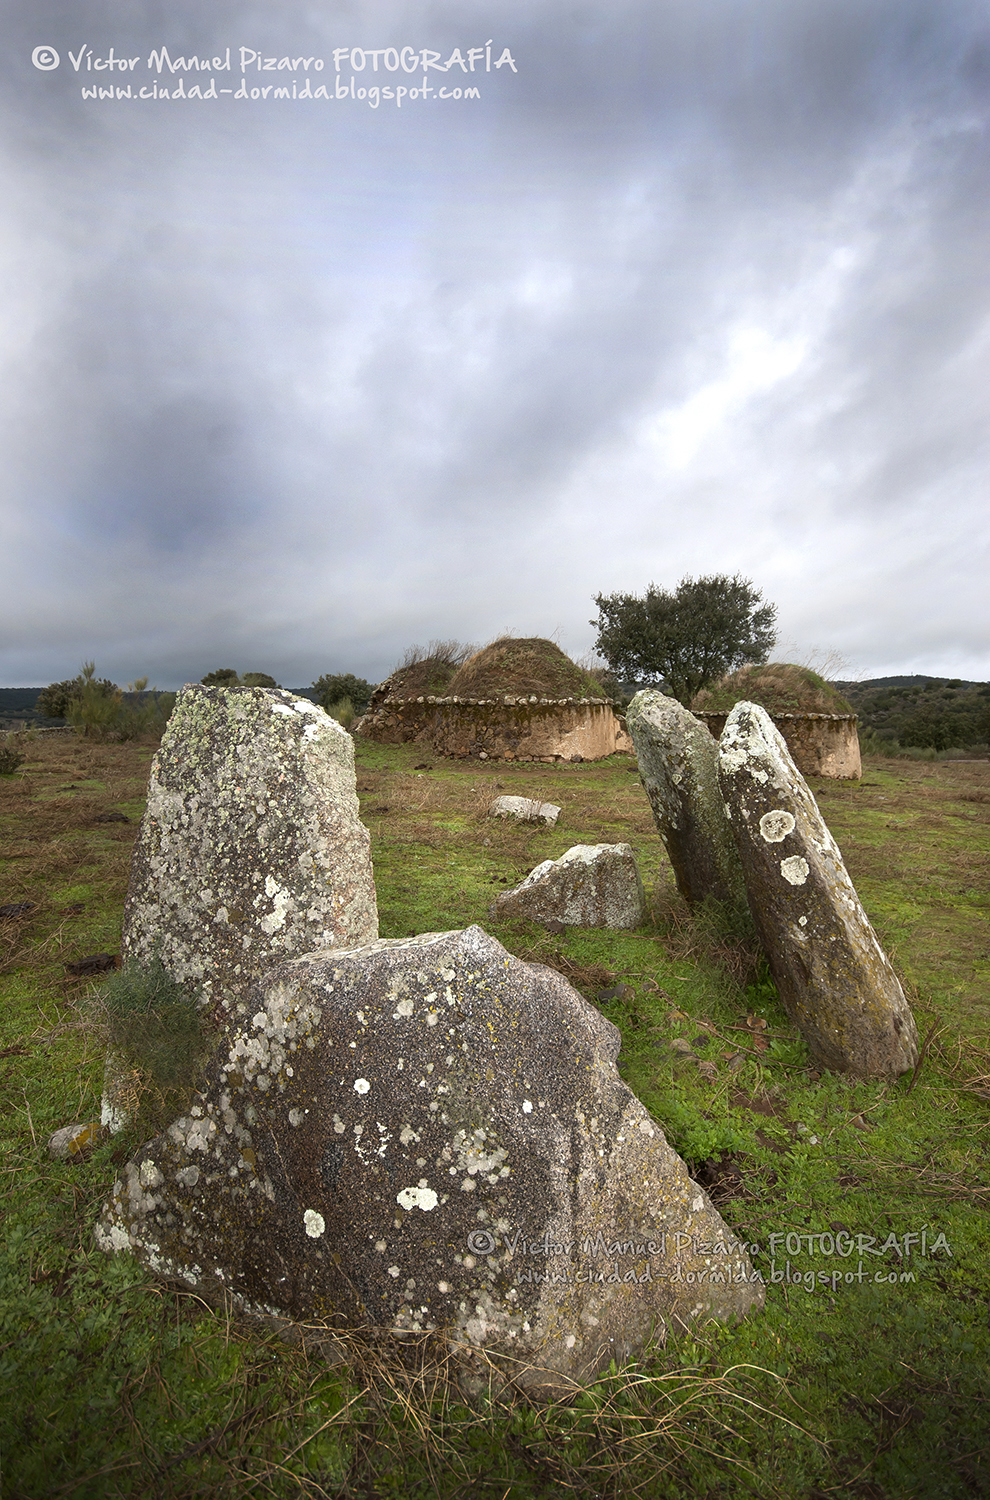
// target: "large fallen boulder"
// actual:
[[430, 1134], [592, 885], [678, 766], [833, 977]]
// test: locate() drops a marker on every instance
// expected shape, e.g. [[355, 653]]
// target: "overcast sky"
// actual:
[[690, 287]]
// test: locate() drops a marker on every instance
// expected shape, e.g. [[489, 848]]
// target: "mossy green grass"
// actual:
[[864, 1375]]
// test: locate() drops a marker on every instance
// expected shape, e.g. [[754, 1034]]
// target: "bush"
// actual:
[[10, 759], [55, 700], [99, 709], [226, 677], [95, 707], [143, 713], [334, 689], [154, 1024], [343, 712]]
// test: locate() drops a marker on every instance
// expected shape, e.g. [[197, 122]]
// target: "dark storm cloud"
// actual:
[[699, 287]]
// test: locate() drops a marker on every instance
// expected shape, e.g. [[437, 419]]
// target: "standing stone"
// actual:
[[429, 1134], [678, 766], [251, 849], [833, 977], [592, 885]]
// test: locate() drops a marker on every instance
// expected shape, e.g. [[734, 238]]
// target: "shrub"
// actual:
[[99, 709], [10, 759], [222, 677], [258, 679], [143, 713], [334, 689], [55, 700], [95, 708], [343, 712], [154, 1023]]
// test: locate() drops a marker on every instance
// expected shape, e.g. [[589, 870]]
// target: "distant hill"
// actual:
[[933, 712], [17, 707]]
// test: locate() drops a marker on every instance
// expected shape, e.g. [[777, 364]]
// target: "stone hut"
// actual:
[[818, 725], [518, 699]]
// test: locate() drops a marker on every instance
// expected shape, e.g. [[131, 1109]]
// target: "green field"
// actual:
[[870, 1382]]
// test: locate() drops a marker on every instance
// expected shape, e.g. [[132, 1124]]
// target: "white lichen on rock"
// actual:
[[251, 849], [831, 973], [515, 1129]]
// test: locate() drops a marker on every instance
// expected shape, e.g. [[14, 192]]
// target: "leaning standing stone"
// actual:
[[678, 765], [429, 1134], [251, 849], [833, 977]]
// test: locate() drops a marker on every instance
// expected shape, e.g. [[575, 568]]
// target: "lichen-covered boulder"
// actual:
[[678, 766], [592, 885], [833, 977], [251, 849], [430, 1134]]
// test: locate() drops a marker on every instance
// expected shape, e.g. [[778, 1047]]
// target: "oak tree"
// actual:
[[687, 639]]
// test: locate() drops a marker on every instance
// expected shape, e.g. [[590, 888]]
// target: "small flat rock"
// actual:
[[526, 809], [73, 1140], [832, 975], [678, 765], [592, 885], [94, 963], [429, 1134]]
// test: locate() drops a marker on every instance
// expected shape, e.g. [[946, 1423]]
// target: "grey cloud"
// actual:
[[700, 287]]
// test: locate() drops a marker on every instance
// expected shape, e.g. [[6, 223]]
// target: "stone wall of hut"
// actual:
[[506, 728], [821, 744]]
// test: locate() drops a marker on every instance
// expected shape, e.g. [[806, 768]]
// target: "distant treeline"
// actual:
[[934, 713], [21, 704]]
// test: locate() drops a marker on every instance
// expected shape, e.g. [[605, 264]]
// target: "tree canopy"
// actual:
[[339, 687], [226, 677], [687, 639]]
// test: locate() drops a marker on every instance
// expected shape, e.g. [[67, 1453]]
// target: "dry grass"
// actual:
[[428, 672], [701, 936], [779, 687], [511, 665]]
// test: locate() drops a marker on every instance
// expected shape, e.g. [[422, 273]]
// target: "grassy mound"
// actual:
[[525, 665], [423, 672], [779, 687]]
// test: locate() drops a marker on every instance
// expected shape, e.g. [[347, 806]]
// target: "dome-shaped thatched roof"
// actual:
[[517, 665], [779, 687]]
